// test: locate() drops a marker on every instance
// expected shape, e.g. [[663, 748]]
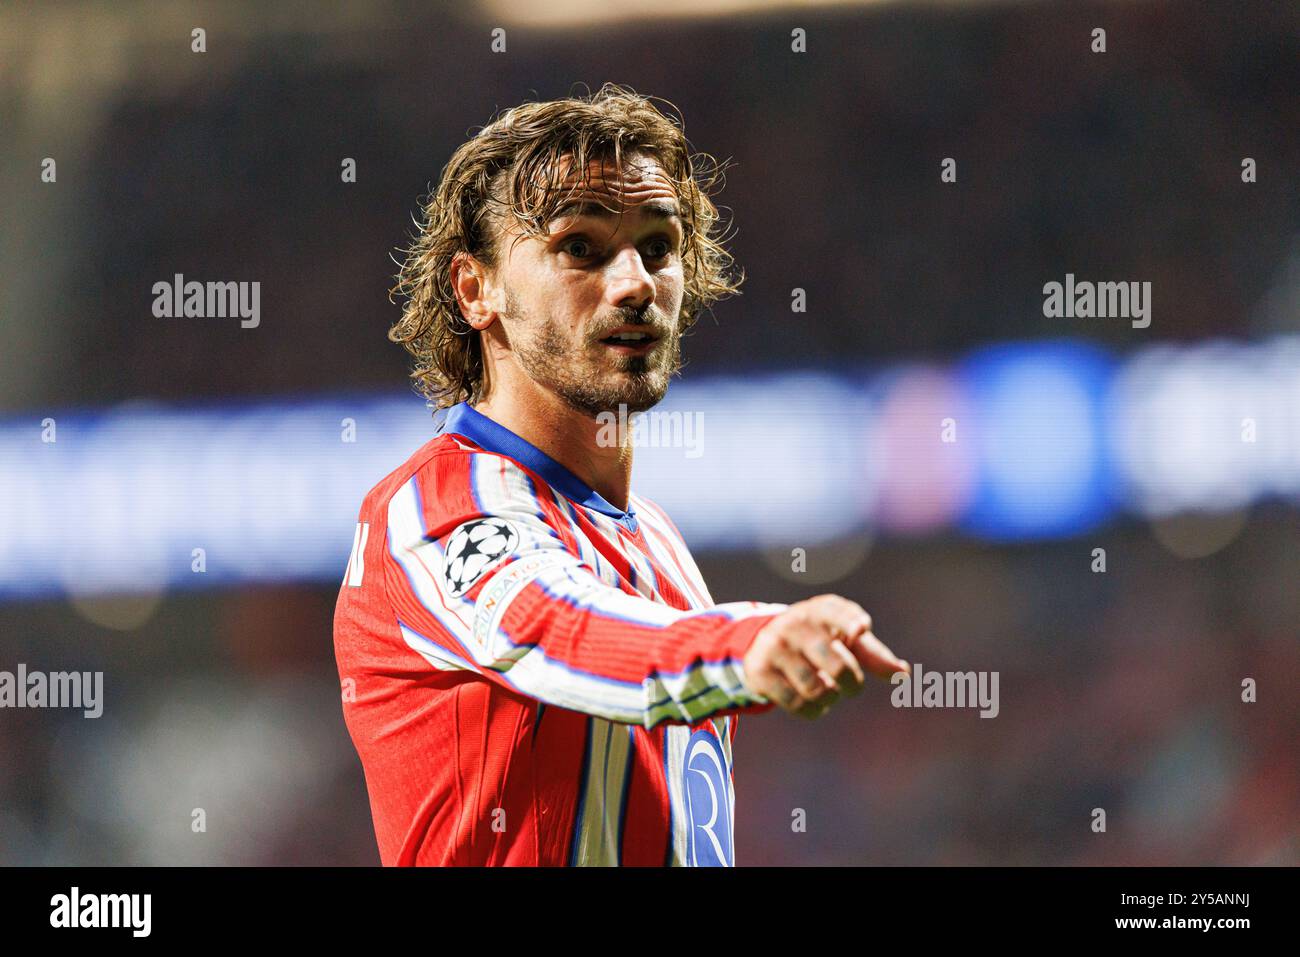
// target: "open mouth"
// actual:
[[630, 342]]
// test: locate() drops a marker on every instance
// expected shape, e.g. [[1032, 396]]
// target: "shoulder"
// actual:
[[380, 496], [450, 481]]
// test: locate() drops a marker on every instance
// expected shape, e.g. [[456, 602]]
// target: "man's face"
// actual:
[[591, 312]]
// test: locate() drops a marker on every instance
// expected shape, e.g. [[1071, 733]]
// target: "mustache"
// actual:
[[654, 323]]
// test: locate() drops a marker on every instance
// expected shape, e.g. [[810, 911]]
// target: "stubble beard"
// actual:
[[592, 386]]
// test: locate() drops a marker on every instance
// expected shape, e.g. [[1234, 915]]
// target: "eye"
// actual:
[[578, 247], [660, 248]]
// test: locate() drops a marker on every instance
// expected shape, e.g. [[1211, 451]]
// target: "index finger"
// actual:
[[876, 656]]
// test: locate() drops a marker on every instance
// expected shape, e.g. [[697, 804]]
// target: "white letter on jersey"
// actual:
[[357, 560]]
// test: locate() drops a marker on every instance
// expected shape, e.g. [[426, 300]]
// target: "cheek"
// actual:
[[551, 298], [671, 285], [570, 289]]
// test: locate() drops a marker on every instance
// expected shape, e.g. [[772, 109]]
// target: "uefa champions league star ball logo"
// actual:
[[473, 548]]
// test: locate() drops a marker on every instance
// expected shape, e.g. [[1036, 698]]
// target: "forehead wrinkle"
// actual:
[[652, 209], [634, 179]]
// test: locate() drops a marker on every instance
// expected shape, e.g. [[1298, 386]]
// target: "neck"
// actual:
[[566, 435]]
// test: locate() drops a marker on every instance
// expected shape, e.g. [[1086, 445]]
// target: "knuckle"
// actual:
[[768, 683], [806, 682]]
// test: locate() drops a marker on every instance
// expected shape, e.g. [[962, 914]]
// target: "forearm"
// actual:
[[558, 634]]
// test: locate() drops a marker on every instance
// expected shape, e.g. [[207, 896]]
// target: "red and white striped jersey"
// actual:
[[532, 676]]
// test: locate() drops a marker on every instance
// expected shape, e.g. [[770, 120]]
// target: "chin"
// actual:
[[594, 402], [638, 404], [642, 398]]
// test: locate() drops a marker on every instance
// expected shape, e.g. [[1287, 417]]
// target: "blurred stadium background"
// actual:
[[1118, 690]]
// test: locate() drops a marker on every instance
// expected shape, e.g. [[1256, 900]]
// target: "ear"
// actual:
[[472, 283]]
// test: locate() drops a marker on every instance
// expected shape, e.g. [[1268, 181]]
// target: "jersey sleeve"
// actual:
[[485, 574]]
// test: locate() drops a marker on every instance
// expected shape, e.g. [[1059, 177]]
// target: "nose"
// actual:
[[629, 283]]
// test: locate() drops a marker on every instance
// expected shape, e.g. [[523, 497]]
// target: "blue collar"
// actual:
[[492, 436]]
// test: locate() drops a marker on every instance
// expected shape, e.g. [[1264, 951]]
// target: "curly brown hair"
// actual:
[[513, 168]]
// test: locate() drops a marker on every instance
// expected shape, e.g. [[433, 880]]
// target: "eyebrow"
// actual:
[[652, 210]]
